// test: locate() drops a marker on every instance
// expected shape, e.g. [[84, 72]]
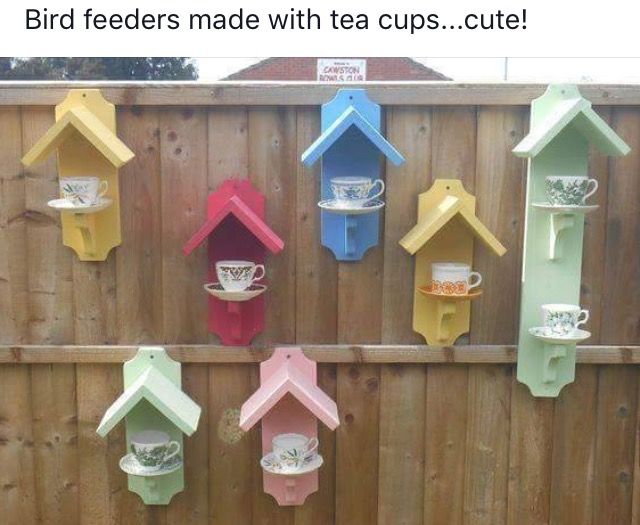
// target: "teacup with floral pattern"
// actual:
[[452, 278], [563, 319], [153, 448], [569, 190]]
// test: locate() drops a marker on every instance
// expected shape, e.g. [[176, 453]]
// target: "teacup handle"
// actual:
[[174, 453], [104, 186], [258, 267], [595, 188], [585, 319], [381, 183], [477, 283], [312, 446]]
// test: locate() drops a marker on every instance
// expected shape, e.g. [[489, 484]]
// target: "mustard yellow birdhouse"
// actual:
[[89, 155], [442, 241]]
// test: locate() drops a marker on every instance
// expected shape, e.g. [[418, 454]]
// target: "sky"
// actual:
[[602, 70]]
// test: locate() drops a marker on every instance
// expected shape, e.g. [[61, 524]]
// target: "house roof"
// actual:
[[566, 108], [235, 206], [288, 379], [304, 68], [350, 117], [153, 386], [448, 208], [81, 120]]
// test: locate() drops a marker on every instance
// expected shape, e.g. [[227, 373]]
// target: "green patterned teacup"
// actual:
[[569, 190], [563, 319], [153, 448]]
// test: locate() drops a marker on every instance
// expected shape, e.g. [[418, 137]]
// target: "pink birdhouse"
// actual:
[[238, 241], [289, 402]]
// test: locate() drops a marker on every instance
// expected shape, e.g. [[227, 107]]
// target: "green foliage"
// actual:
[[99, 68]]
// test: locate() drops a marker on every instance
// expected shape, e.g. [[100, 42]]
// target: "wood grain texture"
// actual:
[[530, 449]]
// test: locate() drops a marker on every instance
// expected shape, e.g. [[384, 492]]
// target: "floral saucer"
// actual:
[[271, 464], [65, 205], [130, 465], [368, 207], [566, 208], [543, 333]]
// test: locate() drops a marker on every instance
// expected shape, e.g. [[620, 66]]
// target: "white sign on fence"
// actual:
[[342, 70]]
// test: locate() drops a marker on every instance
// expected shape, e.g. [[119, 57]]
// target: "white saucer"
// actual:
[[565, 208], [270, 464], [540, 332], [368, 207], [218, 291], [65, 205], [130, 465]]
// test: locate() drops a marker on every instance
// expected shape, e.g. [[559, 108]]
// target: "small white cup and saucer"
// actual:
[[560, 324], [237, 280], [568, 194], [153, 453], [352, 196], [453, 280], [82, 195], [292, 455]]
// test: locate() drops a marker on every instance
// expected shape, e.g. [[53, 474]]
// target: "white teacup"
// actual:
[[237, 276], [354, 192], [153, 448], [452, 278], [292, 450], [569, 190], [83, 191], [563, 319]]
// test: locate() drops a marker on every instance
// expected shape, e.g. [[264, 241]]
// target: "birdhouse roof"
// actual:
[[153, 386], [350, 117], [448, 208], [235, 206], [288, 379], [81, 120], [563, 107]]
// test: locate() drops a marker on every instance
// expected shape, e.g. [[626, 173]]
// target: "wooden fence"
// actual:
[[433, 436]]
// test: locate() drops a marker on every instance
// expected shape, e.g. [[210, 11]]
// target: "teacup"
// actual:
[[292, 450], [569, 190], [83, 191], [237, 276], [452, 278], [563, 319], [153, 448], [354, 192]]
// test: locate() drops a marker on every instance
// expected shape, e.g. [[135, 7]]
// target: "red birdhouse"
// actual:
[[238, 237]]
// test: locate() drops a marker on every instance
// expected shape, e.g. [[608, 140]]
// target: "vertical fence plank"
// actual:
[[494, 316], [184, 149], [529, 457], [14, 304], [231, 458], [101, 482], [17, 475], [574, 437], [402, 388], [139, 258], [317, 269]]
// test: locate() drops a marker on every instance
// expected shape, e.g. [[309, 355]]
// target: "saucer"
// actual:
[[368, 207], [130, 465], [65, 205], [218, 291], [270, 464], [566, 208], [472, 294], [540, 332]]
